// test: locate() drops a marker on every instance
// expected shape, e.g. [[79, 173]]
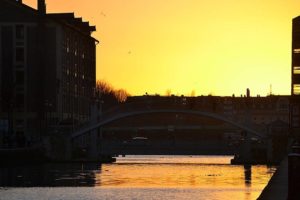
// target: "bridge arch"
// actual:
[[192, 112]]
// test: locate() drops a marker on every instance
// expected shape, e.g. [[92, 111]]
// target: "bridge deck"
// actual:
[[169, 128], [108, 119]]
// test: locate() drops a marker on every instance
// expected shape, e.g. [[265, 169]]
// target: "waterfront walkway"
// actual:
[[277, 188]]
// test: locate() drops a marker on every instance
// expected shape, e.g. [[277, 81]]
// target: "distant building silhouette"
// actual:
[[47, 69], [264, 110]]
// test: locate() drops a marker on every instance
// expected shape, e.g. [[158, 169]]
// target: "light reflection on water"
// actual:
[[138, 177], [183, 171]]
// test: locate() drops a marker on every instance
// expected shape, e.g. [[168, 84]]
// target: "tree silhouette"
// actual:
[[168, 92], [108, 96]]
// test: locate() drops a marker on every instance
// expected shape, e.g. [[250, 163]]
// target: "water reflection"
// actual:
[[49, 175], [247, 173], [183, 172], [141, 172]]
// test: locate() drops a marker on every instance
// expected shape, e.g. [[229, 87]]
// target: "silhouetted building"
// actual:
[[296, 57], [47, 69], [261, 111], [295, 86]]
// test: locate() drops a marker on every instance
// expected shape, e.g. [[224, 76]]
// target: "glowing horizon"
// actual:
[[218, 47]]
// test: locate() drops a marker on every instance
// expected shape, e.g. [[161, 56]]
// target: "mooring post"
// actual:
[[246, 154]]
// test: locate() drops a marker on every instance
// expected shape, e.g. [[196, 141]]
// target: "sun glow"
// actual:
[[215, 47]]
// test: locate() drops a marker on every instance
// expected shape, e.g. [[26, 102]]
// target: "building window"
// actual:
[[20, 88], [20, 43], [296, 89], [20, 122], [297, 50], [19, 77], [20, 101], [19, 54], [19, 66], [20, 32], [296, 70], [75, 88]]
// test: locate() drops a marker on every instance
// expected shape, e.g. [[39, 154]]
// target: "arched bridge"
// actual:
[[106, 120]]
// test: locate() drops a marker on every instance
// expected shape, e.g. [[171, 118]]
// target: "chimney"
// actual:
[[41, 7], [248, 92]]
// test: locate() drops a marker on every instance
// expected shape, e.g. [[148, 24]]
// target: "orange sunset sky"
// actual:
[[218, 47]]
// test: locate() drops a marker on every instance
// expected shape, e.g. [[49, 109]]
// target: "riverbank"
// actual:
[[277, 188]]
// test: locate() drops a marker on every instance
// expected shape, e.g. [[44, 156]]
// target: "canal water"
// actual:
[[137, 177]]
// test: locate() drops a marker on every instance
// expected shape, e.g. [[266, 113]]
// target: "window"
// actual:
[[19, 77], [296, 89], [75, 88], [19, 54], [19, 66], [20, 122], [20, 32], [296, 50], [20, 101], [19, 88], [296, 70], [20, 43]]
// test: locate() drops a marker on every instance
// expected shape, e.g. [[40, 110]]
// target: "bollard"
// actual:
[[293, 176]]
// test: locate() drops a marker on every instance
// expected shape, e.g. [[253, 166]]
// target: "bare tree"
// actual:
[[168, 92], [121, 95], [106, 92], [104, 87]]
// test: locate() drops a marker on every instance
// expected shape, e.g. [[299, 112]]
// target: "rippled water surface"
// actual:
[[137, 177]]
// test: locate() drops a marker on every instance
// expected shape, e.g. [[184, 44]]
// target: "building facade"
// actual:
[[295, 73], [47, 70]]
